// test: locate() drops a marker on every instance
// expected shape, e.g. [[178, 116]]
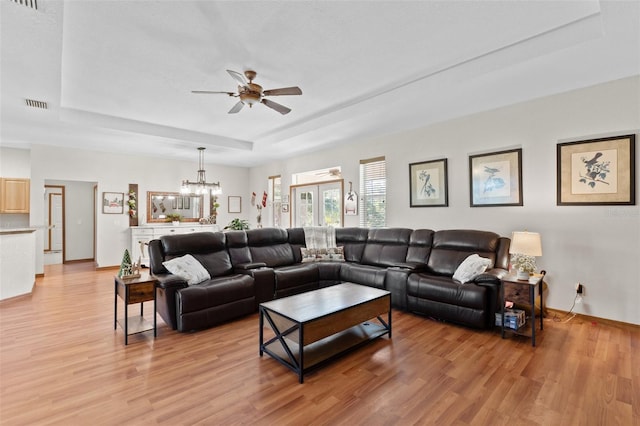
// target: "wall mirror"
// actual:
[[161, 204]]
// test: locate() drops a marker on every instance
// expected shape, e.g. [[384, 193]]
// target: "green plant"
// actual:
[[174, 217], [238, 225]]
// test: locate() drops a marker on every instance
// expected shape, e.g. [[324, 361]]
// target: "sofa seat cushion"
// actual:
[[215, 292], [297, 275], [372, 276], [444, 290]]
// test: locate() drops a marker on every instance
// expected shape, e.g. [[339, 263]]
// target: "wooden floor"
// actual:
[[63, 363]]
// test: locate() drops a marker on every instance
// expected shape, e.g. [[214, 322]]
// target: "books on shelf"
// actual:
[[513, 318]]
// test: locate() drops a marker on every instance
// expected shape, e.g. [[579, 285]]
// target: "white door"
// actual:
[[56, 222], [317, 204]]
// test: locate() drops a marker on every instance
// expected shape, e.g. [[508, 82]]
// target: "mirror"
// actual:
[[161, 204]]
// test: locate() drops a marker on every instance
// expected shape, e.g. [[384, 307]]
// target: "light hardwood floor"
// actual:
[[61, 362]]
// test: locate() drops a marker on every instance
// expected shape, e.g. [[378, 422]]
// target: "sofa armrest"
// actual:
[[491, 276], [170, 281], [264, 282], [166, 288], [246, 266], [491, 281]]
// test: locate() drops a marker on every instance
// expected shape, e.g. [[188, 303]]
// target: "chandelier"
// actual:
[[201, 186]]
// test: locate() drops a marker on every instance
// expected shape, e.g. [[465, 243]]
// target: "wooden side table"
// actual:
[[523, 291], [131, 291]]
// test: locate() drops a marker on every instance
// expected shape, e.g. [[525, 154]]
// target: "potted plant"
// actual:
[[237, 225], [524, 265], [174, 218]]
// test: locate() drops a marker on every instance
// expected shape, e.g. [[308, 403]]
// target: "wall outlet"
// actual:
[[580, 289]]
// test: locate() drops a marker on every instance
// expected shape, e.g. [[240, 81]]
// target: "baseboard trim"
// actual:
[[106, 268], [67, 262], [12, 299], [589, 318]]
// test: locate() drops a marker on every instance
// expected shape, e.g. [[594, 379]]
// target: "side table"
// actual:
[[131, 291], [523, 291]]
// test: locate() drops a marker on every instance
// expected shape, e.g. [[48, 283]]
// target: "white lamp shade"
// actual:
[[527, 243]]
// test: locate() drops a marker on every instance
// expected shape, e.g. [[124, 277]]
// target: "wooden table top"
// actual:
[[325, 301]]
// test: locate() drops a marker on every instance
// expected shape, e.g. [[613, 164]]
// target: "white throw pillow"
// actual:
[[470, 268], [188, 268]]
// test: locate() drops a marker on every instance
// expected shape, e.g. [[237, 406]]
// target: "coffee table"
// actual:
[[314, 327]]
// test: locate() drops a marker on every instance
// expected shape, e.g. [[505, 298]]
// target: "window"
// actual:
[[373, 192], [275, 192]]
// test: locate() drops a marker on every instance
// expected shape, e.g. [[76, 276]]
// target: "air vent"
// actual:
[[33, 4], [36, 104]]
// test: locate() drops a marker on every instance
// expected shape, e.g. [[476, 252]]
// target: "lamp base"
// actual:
[[522, 275]]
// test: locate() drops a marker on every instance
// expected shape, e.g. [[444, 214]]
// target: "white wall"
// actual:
[[598, 246], [113, 173]]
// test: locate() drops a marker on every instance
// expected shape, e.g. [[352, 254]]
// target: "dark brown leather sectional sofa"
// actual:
[[250, 267]]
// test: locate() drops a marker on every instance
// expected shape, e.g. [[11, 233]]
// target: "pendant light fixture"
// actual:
[[201, 186]]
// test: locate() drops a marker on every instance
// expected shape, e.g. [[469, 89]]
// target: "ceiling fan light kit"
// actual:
[[251, 93]]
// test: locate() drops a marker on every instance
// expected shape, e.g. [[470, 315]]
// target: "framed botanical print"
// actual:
[[495, 179], [597, 171], [428, 184]]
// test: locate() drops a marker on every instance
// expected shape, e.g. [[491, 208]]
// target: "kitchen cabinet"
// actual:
[[14, 195]]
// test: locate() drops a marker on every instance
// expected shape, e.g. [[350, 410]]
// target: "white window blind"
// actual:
[[373, 193]]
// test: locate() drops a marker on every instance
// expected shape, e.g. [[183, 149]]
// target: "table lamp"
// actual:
[[525, 246]]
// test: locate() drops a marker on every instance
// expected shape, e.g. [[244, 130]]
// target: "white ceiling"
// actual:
[[118, 75]]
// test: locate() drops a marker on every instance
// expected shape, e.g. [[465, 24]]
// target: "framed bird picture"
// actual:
[[596, 171], [495, 179], [428, 184]]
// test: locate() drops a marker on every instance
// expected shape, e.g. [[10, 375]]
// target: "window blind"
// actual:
[[373, 192]]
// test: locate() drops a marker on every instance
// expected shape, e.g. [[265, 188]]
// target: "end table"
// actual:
[[131, 291], [524, 291]]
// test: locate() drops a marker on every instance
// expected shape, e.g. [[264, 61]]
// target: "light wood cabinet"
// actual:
[[14, 195]]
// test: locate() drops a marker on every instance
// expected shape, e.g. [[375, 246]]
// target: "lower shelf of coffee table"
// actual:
[[327, 348]]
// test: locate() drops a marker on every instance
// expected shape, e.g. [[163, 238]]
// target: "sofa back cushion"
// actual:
[[238, 247], [296, 241], [451, 247], [386, 247], [353, 240], [209, 248], [271, 246], [420, 246]]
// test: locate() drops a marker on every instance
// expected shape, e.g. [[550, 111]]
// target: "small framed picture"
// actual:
[[597, 172], [285, 207], [495, 179], [428, 184], [113, 202], [235, 204]]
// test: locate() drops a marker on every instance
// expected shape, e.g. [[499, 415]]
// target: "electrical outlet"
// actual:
[[580, 289]]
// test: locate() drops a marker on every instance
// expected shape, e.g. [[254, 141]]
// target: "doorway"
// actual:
[[54, 213], [317, 204], [70, 220]]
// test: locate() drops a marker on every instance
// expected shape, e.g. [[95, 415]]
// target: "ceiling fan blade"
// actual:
[[238, 77], [237, 107], [209, 92], [273, 105], [284, 91]]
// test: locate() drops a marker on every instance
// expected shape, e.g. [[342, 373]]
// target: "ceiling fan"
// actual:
[[251, 93]]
